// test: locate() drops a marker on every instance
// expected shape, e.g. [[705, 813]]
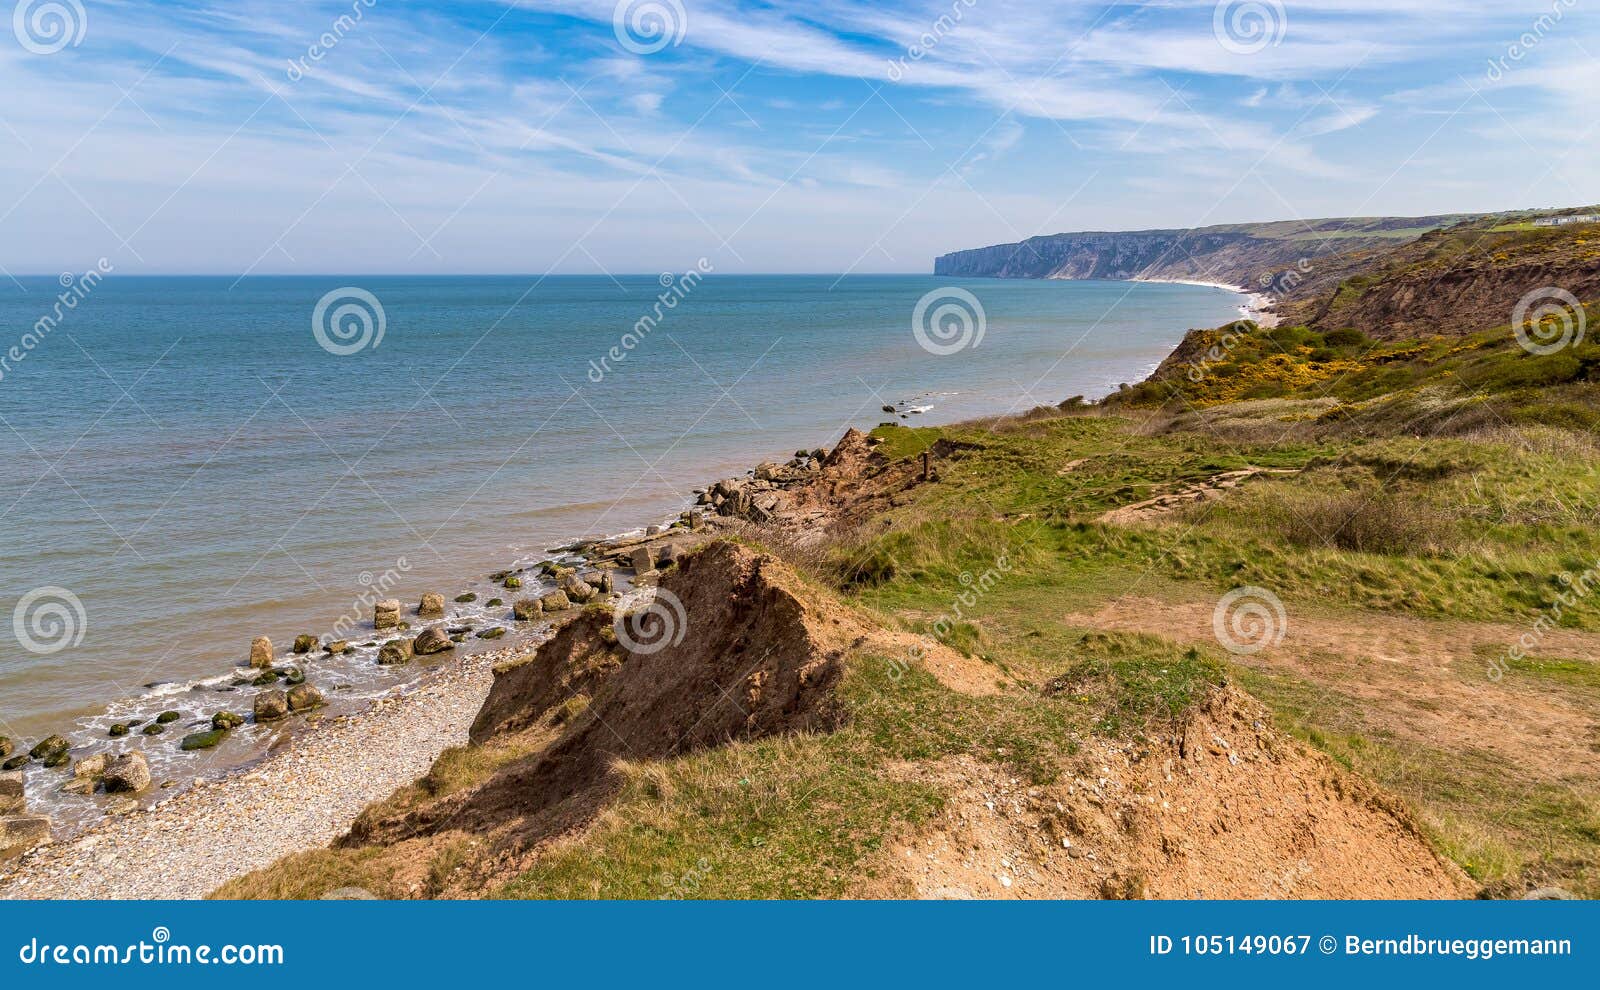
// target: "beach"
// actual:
[[1256, 306], [302, 796]]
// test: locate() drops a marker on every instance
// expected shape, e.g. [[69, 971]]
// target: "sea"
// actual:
[[191, 462]]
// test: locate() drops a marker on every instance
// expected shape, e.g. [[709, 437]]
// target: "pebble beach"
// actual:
[[299, 797]]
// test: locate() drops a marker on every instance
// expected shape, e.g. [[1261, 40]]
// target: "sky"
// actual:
[[374, 136]]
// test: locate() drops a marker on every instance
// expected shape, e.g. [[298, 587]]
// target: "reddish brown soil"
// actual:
[[1225, 807]]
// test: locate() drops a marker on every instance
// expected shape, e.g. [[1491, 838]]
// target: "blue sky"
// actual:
[[825, 136]]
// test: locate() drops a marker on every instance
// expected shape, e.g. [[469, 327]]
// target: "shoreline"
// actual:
[[301, 794], [1257, 305]]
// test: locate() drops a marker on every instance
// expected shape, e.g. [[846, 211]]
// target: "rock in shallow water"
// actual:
[[386, 614], [431, 641], [270, 706], [396, 651], [202, 740], [127, 773], [227, 720], [432, 604], [526, 609], [304, 698], [261, 652], [304, 642], [49, 746]]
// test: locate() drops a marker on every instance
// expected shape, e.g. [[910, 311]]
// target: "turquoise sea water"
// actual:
[[188, 461]]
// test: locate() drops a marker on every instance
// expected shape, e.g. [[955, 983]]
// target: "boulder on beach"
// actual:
[[49, 746], [270, 706], [304, 642], [555, 601], [304, 698], [13, 800], [396, 651], [293, 675], [337, 647], [23, 832], [5, 747], [598, 580], [644, 560], [20, 760], [261, 652], [577, 589], [513, 582], [90, 767], [127, 773], [226, 720], [493, 632], [526, 609], [431, 641], [386, 614], [432, 604], [202, 740]]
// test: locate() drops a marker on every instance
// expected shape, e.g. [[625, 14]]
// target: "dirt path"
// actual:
[[1416, 678]]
